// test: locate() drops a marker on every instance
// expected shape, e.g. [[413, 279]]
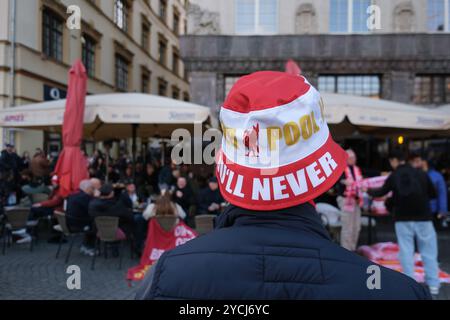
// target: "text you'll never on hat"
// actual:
[[277, 151]]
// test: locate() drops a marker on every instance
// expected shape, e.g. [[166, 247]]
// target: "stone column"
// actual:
[[204, 89], [398, 86]]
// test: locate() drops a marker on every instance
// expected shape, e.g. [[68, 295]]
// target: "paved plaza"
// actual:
[[38, 275]]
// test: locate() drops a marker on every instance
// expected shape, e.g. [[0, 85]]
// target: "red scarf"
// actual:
[[353, 194]]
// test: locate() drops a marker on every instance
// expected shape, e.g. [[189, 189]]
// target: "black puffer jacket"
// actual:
[[284, 254]]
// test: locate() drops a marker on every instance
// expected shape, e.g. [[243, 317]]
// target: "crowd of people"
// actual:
[[136, 193], [418, 205], [116, 188]]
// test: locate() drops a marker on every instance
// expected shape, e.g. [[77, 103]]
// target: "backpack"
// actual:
[[408, 186]]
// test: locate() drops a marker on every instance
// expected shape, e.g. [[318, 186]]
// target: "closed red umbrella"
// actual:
[[293, 68], [72, 165]]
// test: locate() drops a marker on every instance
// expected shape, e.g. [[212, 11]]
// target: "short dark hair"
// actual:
[[414, 155], [397, 154], [106, 189]]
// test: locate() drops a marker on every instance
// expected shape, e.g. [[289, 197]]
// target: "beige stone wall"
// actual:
[[288, 11], [33, 69]]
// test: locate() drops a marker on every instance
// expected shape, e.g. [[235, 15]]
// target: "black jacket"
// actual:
[[186, 200], [112, 208], [78, 210], [284, 254], [206, 197], [411, 192]]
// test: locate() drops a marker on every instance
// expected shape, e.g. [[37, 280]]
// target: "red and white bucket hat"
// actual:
[[277, 151]]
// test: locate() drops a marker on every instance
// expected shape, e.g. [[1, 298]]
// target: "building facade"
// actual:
[[396, 50], [126, 46]]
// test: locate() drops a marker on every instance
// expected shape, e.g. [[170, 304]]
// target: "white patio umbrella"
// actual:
[[382, 117], [112, 116]]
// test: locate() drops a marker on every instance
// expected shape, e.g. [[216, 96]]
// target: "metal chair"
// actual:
[[167, 222], [16, 218], [107, 232], [37, 198], [331, 218], [204, 223], [64, 229]]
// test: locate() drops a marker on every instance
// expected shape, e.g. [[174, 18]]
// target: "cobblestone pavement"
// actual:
[[38, 275]]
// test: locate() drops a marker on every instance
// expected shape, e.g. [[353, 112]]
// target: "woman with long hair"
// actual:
[[164, 206]]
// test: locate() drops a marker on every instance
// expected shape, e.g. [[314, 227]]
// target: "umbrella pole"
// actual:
[[163, 152], [133, 147], [107, 163]]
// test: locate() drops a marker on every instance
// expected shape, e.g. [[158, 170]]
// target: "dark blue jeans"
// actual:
[[40, 212]]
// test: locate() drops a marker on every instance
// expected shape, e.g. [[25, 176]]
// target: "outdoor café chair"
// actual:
[[109, 233], [167, 222], [204, 223], [16, 218], [331, 218], [64, 229]]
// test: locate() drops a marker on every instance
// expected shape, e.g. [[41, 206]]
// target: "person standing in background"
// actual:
[[438, 206], [40, 165], [412, 190], [25, 161], [350, 201]]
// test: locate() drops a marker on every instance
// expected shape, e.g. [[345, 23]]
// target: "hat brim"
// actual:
[[237, 182]]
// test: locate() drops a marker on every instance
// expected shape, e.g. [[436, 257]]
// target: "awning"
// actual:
[[353, 116], [361, 111], [110, 116]]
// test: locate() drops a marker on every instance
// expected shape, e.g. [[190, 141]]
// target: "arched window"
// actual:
[[256, 16]]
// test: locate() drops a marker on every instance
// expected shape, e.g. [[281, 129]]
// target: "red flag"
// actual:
[[159, 241], [71, 167]]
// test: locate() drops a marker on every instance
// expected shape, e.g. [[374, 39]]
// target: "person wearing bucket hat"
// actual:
[[277, 156]]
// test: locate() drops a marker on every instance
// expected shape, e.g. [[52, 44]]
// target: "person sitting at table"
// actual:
[[107, 206], [210, 200], [78, 218], [31, 186], [128, 176], [130, 200], [96, 185], [164, 206], [46, 208], [183, 194], [113, 175], [150, 181], [129, 197]]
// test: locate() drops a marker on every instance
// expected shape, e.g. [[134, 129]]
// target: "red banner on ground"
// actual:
[[158, 242], [386, 254]]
